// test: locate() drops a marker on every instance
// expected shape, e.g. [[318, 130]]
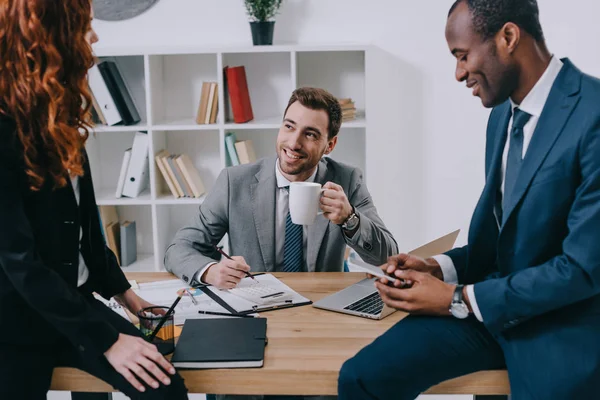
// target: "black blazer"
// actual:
[[39, 257]]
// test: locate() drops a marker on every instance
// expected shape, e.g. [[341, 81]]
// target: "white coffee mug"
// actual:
[[304, 202]]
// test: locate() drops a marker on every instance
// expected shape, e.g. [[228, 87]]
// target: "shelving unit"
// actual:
[[166, 85]]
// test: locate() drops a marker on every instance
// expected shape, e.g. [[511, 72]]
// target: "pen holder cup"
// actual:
[[150, 318]]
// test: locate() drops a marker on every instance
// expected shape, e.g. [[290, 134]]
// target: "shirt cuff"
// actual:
[[471, 294], [447, 267], [199, 274]]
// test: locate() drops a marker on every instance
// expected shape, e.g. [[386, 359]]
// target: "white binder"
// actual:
[[123, 173], [138, 170], [103, 97]]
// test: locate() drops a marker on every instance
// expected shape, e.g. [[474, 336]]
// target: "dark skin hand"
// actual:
[[419, 287]]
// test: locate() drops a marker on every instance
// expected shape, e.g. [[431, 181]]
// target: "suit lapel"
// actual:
[[263, 209], [559, 106], [317, 231]]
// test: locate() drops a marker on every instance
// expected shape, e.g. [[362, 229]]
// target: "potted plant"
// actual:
[[262, 25]]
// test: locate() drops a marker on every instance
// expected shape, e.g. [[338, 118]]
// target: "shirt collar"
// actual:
[[282, 181], [535, 100]]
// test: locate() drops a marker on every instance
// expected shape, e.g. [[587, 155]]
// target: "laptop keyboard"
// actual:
[[372, 304]]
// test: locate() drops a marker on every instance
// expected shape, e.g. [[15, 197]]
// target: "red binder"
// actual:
[[237, 86]]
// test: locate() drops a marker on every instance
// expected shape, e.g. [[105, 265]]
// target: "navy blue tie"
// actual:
[[293, 246], [515, 156]]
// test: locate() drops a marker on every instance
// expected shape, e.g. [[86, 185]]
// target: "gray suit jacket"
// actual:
[[242, 204]]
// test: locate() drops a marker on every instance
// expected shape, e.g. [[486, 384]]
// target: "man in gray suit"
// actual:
[[250, 203]]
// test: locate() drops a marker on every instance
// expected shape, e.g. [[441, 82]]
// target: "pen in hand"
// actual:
[[220, 250]]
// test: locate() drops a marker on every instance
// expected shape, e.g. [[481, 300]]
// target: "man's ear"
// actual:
[[331, 145], [509, 37]]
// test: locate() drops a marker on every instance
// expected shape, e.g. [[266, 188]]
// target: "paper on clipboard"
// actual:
[[242, 304], [435, 247]]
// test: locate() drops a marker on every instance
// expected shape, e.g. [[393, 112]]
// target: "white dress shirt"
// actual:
[[532, 104], [281, 211], [282, 204], [84, 272]]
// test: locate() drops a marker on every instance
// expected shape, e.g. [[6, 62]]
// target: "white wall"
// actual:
[[449, 128]]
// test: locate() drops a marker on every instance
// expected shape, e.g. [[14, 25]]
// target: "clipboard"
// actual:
[[238, 305]]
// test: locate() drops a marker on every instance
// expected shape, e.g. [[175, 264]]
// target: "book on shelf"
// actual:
[[137, 177], [109, 217], [187, 192], [166, 173], [208, 107], [111, 98], [348, 109], [245, 151], [230, 147], [180, 174], [239, 151], [107, 108], [123, 173], [128, 243], [97, 114], [239, 95], [191, 175], [119, 92]]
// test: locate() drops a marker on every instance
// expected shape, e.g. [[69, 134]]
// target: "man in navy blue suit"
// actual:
[[531, 269]]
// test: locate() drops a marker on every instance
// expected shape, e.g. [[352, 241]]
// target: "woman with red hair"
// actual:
[[52, 252]]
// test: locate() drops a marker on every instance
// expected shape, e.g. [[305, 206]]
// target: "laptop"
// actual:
[[362, 299]]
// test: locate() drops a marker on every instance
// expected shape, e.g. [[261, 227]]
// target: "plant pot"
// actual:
[[262, 32]]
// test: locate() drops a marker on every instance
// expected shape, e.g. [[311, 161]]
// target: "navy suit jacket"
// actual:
[[541, 269]]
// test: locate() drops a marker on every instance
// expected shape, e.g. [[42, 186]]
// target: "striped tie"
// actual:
[[292, 246]]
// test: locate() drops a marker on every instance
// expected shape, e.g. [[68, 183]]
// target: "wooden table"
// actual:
[[306, 350]]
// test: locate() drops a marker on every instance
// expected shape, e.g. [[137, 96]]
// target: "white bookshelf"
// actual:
[[166, 85]]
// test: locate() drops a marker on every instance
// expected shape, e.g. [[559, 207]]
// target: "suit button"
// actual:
[[368, 246], [185, 278], [81, 348], [68, 264], [69, 222]]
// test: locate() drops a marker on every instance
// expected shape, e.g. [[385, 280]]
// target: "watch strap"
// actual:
[[352, 215], [458, 294]]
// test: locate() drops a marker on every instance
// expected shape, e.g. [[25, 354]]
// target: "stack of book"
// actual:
[[209, 102], [239, 151], [348, 109], [112, 102], [180, 174], [120, 237]]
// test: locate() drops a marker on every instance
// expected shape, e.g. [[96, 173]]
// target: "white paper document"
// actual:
[[164, 293], [266, 293]]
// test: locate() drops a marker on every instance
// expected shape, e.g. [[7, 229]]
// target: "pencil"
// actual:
[[165, 317], [220, 250], [224, 314]]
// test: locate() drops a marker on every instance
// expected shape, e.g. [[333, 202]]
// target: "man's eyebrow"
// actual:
[[456, 50], [289, 120], [312, 128]]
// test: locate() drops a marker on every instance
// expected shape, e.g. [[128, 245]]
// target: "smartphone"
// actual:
[[373, 270]]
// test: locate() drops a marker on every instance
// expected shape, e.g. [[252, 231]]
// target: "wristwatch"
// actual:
[[351, 222], [458, 307]]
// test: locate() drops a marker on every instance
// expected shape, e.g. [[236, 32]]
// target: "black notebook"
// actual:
[[221, 343]]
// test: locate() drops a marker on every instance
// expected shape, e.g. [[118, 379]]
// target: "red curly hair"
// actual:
[[44, 59]]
